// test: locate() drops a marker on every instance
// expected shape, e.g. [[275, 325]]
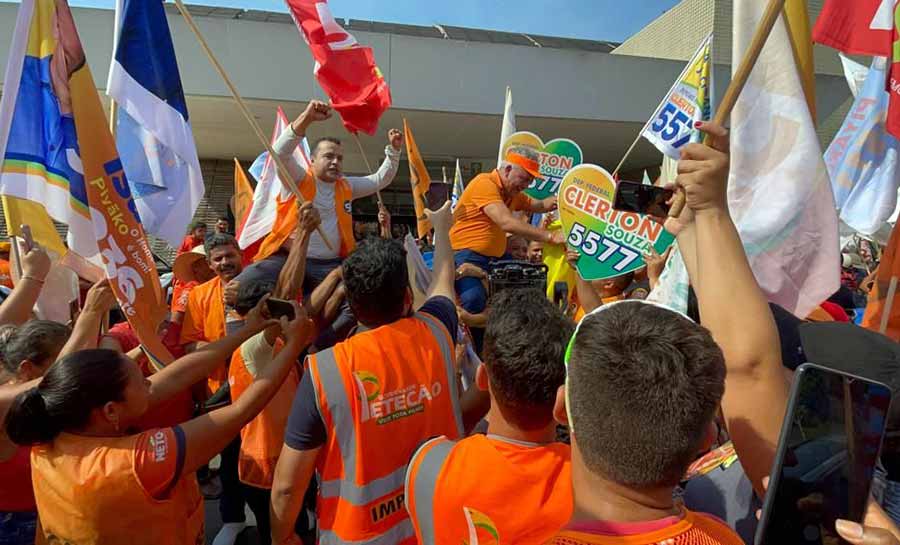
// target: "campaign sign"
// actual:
[[557, 157], [611, 242]]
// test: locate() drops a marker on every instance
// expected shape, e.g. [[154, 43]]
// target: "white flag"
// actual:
[[779, 192], [509, 124]]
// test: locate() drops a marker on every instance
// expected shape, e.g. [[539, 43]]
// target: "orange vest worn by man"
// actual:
[[128, 490], [376, 410], [512, 485], [286, 219]]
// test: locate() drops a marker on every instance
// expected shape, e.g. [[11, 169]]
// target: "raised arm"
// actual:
[[207, 435], [756, 391], [196, 366], [367, 185], [17, 307], [290, 280], [444, 270], [587, 295], [100, 298], [500, 215]]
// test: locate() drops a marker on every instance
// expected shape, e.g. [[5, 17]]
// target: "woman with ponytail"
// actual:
[[96, 480]]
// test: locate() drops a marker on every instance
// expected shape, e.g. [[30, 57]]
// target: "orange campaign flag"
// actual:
[[117, 227], [242, 201], [419, 180], [882, 311]]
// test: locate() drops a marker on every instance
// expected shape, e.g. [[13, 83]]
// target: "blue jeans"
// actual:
[[268, 270], [471, 292], [17, 528], [891, 500]]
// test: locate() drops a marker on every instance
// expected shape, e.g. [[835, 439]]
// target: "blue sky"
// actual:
[[612, 20]]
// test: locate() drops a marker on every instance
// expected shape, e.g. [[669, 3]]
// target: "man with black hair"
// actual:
[[222, 225], [524, 495], [332, 194], [364, 405], [644, 383]]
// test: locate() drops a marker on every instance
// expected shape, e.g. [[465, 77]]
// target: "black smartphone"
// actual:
[[830, 441], [279, 308], [642, 199]]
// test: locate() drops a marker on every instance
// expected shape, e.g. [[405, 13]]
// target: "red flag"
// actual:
[[345, 70], [857, 27], [892, 123]]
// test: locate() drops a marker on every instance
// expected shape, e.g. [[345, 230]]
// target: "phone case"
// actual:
[[775, 473]]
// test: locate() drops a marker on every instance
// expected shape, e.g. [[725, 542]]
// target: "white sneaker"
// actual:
[[229, 533]]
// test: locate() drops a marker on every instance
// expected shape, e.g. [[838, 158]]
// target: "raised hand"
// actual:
[[395, 137]]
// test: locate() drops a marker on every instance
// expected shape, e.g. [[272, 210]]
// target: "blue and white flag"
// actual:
[[671, 126], [863, 159], [153, 131], [458, 187]]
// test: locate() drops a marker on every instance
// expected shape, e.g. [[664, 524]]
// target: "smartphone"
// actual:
[[279, 308], [830, 441], [27, 238], [642, 199]]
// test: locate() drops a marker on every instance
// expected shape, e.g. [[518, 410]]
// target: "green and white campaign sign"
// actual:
[[611, 242], [556, 158]]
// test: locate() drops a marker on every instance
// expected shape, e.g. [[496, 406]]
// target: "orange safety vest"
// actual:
[[692, 529], [87, 493], [380, 393], [524, 497], [262, 438], [286, 217]]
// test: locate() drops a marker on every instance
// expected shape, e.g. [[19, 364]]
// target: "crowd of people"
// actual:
[[336, 404]]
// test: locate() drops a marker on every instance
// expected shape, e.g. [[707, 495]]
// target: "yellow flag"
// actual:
[[419, 180], [797, 19], [20, 211], [242, 201]]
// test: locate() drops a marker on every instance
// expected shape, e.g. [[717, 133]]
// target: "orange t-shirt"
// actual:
[[472, 228], [690, 529], [180, 293], [204, 321], [5, 276]]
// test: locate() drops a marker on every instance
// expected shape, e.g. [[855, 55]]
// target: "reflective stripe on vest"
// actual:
[[339, 405], [425, 484], [400, 532]]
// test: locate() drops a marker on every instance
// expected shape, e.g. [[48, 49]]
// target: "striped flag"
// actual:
[[153, 130], [261, 218], [57, 150]]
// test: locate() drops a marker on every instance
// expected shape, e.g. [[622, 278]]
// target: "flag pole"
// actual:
[[888, 305], [662, 103], [283, 173], [739, 80], [368, 166]]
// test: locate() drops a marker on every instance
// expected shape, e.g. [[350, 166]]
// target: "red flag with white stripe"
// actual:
[[346, 70], [857, 27]]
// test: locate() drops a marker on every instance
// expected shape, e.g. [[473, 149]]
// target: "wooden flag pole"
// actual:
[[888, 305], [368, 166], [283, 173], [739, 80]]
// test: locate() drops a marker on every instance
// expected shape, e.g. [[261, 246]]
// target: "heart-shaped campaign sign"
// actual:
[[611, 242], [556, 158]]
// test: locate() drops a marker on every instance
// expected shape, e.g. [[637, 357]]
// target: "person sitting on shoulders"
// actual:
[[332, 193]]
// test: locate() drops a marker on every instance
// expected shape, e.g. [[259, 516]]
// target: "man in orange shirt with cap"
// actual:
[[484, 216], [525, 496]]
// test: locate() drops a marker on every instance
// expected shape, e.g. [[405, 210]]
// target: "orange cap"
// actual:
[[530, 165]]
